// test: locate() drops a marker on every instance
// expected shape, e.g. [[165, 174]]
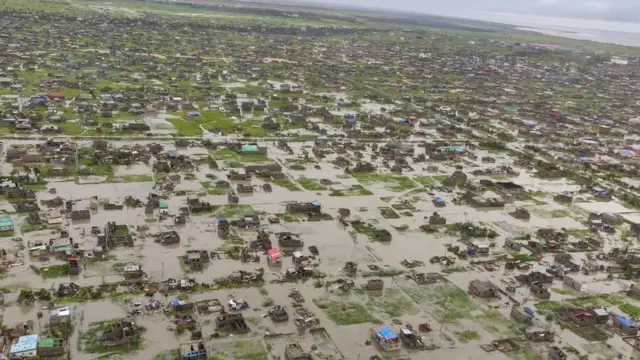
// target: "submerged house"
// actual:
[[26, 347], [386, 338], [483, 289]]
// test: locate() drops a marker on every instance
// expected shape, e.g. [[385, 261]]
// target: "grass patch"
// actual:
[[35, 187], [401, 228], [454, 269], [629, 309], [354, 190], [557, 214], [213, 189], [495, 323], [26, 228], [246, 350], [467, 335], [288, 217], [130, 178], [345, 312], [395, 183], [446, 301], [364, 228], [547, 306], [229, 155], [562, 291], [388, 213], [311, 184], [286, 183], [579, 233], [524, 258], [187, 127], [392, 303], [52, 271], [8, 233]]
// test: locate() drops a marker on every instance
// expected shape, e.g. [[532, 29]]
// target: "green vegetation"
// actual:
[[631, 310], [445, 300], [26, 228], [396, 183], [467, 335], [401, 228], [364, 228], [563, 291], [213, 189], [345, 312], [242, 349], [288, 217], [187, 126], [286, 183], [90, 341], [494, 322], [52, 271], [310, 184], [233, 156], [355, 190], [430, 180], [130, 178], [391, 303]]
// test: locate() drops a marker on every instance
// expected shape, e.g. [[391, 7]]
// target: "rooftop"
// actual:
[[24, 344]]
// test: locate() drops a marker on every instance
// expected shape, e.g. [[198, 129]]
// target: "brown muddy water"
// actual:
[[460, 323]]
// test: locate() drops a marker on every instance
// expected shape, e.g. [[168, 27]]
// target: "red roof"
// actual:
[[583, 313], [273, 254]]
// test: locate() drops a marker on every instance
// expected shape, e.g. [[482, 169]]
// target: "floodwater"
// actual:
[[336, 243], [159, 123]]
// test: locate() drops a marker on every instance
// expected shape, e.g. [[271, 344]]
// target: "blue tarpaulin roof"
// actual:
[[459, 149], [222, 220], [386, 333], [438, 199], [597, 188], [626, 322], [315, 203]]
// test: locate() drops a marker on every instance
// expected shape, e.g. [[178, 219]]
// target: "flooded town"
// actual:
[[229, 181]]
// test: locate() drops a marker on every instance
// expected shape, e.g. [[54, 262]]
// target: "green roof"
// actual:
[[46, 343], [249, 148], [5, 220], [164, 205]]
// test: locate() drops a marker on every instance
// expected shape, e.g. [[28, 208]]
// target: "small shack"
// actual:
[[274, 256], [6, 224], [439, 201], [386, 338], [625, 325]]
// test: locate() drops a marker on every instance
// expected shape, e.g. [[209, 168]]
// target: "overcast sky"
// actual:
[[611, 10]]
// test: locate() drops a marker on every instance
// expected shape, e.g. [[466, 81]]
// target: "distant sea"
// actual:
[[615, 32]]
